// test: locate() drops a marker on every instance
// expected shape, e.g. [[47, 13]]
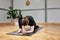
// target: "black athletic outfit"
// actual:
[[31, 22]]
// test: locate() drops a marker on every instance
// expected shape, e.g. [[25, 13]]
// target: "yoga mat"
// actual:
[[20, 34]]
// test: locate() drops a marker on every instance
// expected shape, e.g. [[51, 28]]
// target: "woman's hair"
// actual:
[[25, 21]]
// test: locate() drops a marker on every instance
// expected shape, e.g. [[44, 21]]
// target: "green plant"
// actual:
[[13, 13]]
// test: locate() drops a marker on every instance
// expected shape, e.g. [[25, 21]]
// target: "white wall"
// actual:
[[3, 17], [3, 14], [53, 15], [35, 4], [5, 3], [53, 3], [39, 16]]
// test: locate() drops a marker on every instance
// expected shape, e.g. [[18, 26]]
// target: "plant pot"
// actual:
[[12, 22], [16, 21]]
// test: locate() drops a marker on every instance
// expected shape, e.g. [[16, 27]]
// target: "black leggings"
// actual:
[[35, 28]]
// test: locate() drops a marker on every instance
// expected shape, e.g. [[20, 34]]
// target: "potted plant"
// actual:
[[13, 14]]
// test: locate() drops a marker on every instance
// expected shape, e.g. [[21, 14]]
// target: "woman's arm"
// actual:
[[23, 30], [30, 31]]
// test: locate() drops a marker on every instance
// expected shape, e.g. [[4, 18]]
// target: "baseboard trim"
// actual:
[[39, 23], [6, 24], [52, 23]]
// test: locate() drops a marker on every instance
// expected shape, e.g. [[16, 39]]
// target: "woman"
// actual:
[[24, 21]]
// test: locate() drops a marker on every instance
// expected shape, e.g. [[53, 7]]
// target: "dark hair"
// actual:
[[25, 21]]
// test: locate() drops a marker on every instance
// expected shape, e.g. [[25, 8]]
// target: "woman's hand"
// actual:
[[30, 31]]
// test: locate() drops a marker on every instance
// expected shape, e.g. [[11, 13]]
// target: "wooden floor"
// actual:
[[52, 33]]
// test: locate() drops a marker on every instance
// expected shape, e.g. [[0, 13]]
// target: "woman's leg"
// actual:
[[35, 28], [20, 24]]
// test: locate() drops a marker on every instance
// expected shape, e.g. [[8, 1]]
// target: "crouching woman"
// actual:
[[25, 22]]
